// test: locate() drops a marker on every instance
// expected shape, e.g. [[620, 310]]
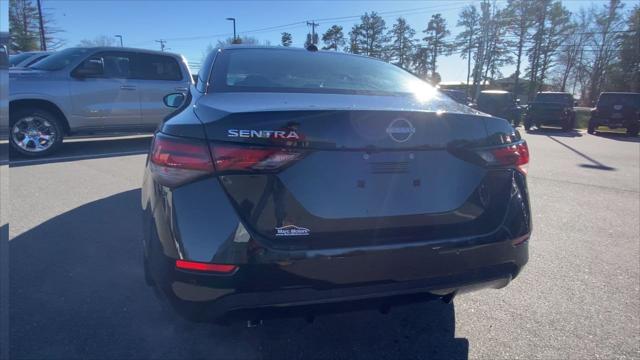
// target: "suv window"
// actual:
[[608, 99], [158, 67], [117, 64], [555, 98], [495, 99]]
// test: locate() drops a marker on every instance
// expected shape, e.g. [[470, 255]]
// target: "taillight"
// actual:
[[242, 158], [205, 267], [174, 161], [510, 155]]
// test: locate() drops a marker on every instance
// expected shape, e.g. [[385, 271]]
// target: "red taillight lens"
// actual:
[[511, 155], [174, 161], [205, 267], [237, 158]]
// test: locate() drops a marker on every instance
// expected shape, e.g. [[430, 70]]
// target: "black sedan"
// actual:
[[295, 179]]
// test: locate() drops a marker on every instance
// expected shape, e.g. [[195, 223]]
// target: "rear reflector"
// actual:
[[205, 267], [239, 158]]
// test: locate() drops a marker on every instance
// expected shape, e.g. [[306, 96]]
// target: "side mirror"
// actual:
[[89, 68], [174, 100]]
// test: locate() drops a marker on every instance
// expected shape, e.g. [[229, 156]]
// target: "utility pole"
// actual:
[[161, 44], [43, 39], [313, 31], [120, 37], [234, 29]]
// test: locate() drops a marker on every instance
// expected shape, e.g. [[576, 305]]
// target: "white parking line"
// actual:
[[76, 157]]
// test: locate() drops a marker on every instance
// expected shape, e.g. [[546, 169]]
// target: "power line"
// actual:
[[297, 24]]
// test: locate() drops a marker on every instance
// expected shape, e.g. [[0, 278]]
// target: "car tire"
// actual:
[[527, 124], [633, 130], [567, 124], [48, 124]]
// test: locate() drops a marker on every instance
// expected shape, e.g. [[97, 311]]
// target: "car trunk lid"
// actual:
[[366, 174]]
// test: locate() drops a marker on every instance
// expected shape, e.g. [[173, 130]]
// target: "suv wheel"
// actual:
[[633, 130], [527, 124], [567, 124], [35, 132]]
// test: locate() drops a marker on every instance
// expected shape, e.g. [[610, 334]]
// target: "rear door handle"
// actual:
[[127, 87], [181, 89]]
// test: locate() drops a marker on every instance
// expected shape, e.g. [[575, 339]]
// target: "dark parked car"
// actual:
[[458, 95], [616, 110], [501, 104], [296, 179], [551, 108]]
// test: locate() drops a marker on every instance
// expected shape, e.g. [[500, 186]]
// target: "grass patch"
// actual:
[[582, 117]]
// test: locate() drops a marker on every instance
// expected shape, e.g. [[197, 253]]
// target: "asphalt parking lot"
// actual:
[[77, 288]]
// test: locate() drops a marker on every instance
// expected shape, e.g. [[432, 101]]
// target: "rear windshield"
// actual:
[[555, 98], [485, 99], [60, 59], [275, 70], [608, 99]]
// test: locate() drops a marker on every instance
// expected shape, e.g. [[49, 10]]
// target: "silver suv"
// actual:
[[100, 90]]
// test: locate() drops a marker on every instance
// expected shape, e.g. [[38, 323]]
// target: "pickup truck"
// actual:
[[100, 90]]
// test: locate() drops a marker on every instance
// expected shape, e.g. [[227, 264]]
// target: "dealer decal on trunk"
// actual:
[[292, 230]]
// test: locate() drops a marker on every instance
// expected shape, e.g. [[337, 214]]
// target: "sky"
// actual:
[[189, 26]]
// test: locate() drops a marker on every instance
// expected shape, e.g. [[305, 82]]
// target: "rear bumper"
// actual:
[[548, 118], [426, 270], [617, 122]]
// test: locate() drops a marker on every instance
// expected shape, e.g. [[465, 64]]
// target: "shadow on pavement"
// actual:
[[87, 148], [595, 164], [618, 136], [555, 132], [77, 291]]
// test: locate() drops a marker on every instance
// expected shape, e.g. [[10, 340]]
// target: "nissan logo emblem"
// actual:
[[400, 130]]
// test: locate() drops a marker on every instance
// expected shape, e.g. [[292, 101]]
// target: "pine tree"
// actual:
[[467, 40], [23, 26], [435, 40], [401, 48], [333, 38], [286, 39], [369, 36], [519, 24]]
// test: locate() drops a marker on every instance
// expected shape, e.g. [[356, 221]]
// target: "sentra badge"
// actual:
[[263, 134], [292, 230]]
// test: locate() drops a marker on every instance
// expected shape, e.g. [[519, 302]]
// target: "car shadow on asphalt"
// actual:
[[555, 132], [77, 291], [617, 136], [594, 164], [86, 148]]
